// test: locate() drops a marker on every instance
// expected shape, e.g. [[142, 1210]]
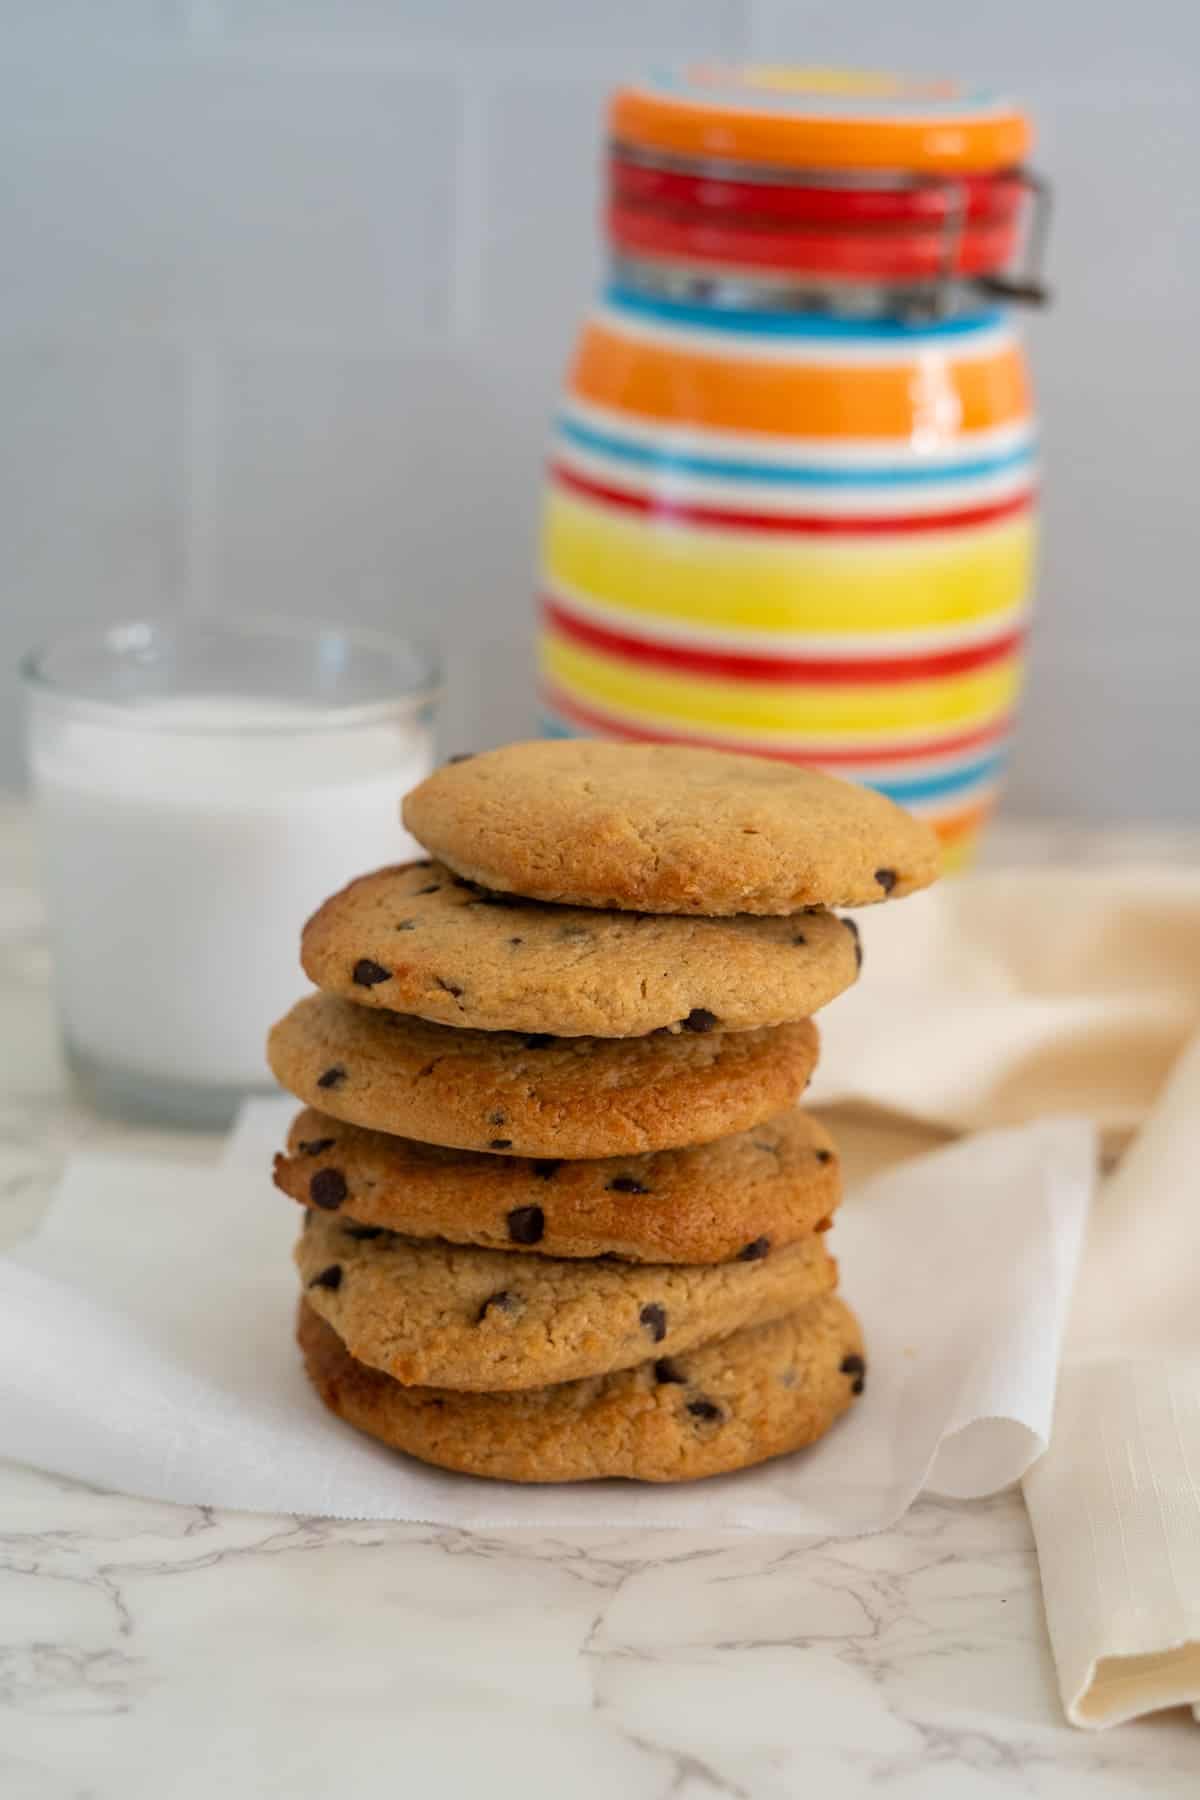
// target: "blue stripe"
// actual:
[[952, 782], [655, 456], [551, 726], [748, 321], [931, 787]]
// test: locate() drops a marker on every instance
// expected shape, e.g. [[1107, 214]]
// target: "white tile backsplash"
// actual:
[[539, 236], [631, 28], [91, 214], [1035, 48], [289, 283], [195, 199], [318, 205], [91, 499]]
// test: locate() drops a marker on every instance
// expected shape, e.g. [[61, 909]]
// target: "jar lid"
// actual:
[[811, 118]]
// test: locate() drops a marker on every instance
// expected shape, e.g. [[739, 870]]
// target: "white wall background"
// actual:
[[287, 285]]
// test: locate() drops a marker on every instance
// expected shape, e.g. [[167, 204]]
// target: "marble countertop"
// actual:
[[180, 1653]]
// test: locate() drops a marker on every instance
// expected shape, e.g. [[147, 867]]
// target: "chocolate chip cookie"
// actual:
[[742, 1196], [533, 1095], [762, 1392], [448, 1315], [664, 828], [417, 938]]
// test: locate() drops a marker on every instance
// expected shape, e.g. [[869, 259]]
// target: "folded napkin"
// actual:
[[1005, 997], [146, 1344], [1115, 1502]]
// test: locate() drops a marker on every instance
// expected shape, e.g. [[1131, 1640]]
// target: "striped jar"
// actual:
[[790, 494]]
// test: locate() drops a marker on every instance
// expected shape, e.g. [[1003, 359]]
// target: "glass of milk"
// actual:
[[201, 785]]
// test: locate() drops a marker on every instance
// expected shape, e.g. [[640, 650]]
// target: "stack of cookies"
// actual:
[[563, 1217]]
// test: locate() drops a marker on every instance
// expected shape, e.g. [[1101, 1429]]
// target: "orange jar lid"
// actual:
[[801, 118]]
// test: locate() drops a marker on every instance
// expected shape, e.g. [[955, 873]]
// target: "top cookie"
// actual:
[[417, 939], [668, 829]]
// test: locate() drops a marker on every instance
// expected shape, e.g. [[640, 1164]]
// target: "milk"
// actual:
[[182, 859]]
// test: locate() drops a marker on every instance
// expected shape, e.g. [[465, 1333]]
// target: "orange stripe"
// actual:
[[838, 401], [859, 135], [961, 824]]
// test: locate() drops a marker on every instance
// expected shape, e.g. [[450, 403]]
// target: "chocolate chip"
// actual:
[[665, 1370], [503, 1302], [824, 1156], [330, 1278], [755, 1251], [886, 879], [858, 1384], [852, 928], [799, 938], [545, 1169], [540, 1040], [328, 1189], [526, 1224], [370, 974], [705, 1409], [699, 1019], [435, 887], [627, 1184], [332, 1077], [853, 1364], [516, 940], [499, 1143], [407, 925], [364, 1233], [654, 1318], [460, 756], [448, 987], [314, 1146], [497, 1118]]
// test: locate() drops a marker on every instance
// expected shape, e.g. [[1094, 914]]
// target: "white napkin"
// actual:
[[146, 1345]]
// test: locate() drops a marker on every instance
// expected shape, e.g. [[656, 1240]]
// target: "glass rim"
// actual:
[[424, 688]]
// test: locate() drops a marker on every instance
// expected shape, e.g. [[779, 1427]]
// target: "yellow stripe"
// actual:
[[958, 856], [838, 711], [710, 578]]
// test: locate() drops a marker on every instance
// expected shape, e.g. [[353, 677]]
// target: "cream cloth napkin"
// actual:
[[1002, 998]]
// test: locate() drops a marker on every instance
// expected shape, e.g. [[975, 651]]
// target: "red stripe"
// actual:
[[818, 671], [866, 250], [803, 524], [861, 758], [994, 195]]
